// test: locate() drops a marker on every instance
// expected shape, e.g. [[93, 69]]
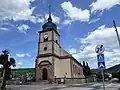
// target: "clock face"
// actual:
[[45, 36]]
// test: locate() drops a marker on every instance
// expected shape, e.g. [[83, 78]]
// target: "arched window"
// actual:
[[56, 41]]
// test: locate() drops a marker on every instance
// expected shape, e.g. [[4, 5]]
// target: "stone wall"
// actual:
[[74, 80], [70, 80], [91, 79]]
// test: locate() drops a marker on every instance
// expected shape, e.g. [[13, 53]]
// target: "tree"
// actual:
[[6, 66], [116, 75], [119, 75], [88, 71], [84, 70]]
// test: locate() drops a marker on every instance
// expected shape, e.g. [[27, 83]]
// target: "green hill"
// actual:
[[94, 71], [108, 70], [113, 69], [23, 71]]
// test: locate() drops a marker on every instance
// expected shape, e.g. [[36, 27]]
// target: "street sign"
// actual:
[[101, 65], [100, 57], [101, 61], [99, 49]]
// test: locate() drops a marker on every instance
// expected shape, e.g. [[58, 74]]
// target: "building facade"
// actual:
[[52, 60]]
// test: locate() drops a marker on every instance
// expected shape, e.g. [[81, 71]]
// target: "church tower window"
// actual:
[[56, 39], [45, 48]]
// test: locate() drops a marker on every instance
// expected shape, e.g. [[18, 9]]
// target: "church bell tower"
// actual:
[[48, 49]]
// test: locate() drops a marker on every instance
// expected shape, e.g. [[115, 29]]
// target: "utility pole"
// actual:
[[116, 32]]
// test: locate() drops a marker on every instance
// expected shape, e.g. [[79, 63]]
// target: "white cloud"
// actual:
[[23, 55], [101, 5], [20, 55], [116, 59], [18, 65], [55, 19], [16, 10], [33, 65], [102, 35], [67, 22], [72, 50], [20, 10], [74, 13], [40, 20], [94, 20], [23, 28], [28, 55], [4, 29], [36, 19]]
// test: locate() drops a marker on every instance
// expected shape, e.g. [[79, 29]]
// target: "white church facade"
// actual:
[[52, 60]]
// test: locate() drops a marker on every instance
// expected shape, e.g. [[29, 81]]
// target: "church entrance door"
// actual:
[[44, 74]]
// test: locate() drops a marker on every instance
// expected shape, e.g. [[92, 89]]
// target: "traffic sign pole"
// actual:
[[100, 58], [103, 79]]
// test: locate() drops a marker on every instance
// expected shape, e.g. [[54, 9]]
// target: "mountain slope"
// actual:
[[108, 70], [113, 69]]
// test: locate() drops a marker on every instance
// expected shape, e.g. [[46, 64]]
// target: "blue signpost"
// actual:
[[101, 65], [101, 60]]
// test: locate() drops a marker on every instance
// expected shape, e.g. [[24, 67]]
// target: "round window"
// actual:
[[45, 48]]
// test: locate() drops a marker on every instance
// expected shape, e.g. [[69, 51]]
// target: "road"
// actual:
[[90, 86]]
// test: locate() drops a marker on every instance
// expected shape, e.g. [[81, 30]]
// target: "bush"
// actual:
[[116, 75]]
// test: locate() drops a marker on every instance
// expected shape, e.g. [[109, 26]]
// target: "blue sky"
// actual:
[[82, 25]]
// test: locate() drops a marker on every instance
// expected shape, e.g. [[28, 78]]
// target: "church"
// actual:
[[52, 60]]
